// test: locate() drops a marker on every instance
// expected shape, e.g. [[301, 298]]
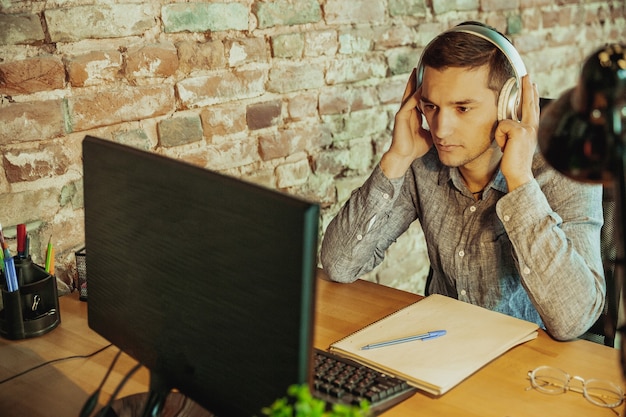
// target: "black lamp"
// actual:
[[583, 135]]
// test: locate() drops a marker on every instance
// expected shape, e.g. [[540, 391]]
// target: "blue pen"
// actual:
[[424, 336], [10, 273]]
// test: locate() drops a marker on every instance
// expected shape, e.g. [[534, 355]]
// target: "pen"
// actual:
[[9, 272], [424, 336], [27, 246], [21, 240]]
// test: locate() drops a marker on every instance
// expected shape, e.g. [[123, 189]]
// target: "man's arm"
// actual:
[[374, 216], [555, 233], [371, 220]]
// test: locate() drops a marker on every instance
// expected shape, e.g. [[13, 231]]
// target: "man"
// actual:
[[504, 230]]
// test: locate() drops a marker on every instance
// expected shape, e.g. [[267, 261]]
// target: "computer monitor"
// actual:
[[207, 280]]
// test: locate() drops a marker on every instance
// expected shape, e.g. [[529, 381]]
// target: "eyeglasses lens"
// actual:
[[603, 393], [550, 380]]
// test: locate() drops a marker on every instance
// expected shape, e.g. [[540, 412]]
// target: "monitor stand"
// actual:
[[160, 401]]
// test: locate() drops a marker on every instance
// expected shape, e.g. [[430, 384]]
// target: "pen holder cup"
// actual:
[[33, 309]]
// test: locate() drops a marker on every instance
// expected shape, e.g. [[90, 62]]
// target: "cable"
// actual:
[[50, 362], [103, 412], [92, 400]]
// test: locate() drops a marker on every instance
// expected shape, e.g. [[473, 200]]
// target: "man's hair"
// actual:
[[465, 50]]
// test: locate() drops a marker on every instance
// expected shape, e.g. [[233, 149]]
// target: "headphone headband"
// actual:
[[491, 35], [509, 94]]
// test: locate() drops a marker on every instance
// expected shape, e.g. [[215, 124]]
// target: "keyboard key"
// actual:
[[339, 380]]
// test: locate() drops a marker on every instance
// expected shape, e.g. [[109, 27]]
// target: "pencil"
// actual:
[[50, 257]]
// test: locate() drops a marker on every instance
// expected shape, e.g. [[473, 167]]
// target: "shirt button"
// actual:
[[507, 218], [463, 292], [473, 209], [359, 237], [526, 270], [461, 253], [386, 196]]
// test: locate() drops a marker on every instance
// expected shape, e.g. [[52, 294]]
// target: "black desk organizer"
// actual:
[[32, 310]]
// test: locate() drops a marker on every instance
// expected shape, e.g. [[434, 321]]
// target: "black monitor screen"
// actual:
[[205, 279]]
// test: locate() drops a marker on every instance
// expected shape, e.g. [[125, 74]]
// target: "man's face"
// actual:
[[462, 113]]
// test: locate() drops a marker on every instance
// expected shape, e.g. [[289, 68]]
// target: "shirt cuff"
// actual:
[[526, 205]]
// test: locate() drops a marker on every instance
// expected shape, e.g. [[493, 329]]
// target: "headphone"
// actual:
[[509, 97]]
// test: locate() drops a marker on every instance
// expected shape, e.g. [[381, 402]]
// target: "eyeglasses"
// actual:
[[550, 380]]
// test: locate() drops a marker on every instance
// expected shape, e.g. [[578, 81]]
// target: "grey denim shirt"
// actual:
[[533, 253]]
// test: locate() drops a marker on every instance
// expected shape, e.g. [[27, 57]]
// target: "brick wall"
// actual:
[[297, 95]]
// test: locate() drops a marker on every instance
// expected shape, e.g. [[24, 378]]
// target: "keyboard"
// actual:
[[339, 380]]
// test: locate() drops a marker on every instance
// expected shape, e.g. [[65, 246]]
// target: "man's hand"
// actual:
[[518, 140], [410, 140]]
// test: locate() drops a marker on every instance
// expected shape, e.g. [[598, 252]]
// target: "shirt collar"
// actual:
[[453, 175]]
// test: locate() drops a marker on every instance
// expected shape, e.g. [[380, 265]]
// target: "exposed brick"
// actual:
[[345, 99], [354, 12], [203, 17], [232, 154], [514, 24], [291, 174], [390, 37], [555, 18], [415, 8], [497, 5], [361, 153], [32, 75], [563, 36], [320, 188], [427, 31], [180, 130], [530, 21], [281, 144], [28, 206], [356, 124], [193, 55], [155, 60], [137, 138], [401, 60], [445, 6], [318, 136], [262, 115], [290, 45], [22, 122], [20, 29], [99, 21], [220, 87], [355, 69], [356, 41], [221, 120], [332, 161], [249, 50], [345, 186], [44, 160], [302, 106], [71, 194], [273, 145], [320, 43], [529, 43], [301, 137], [293, 77], [287, 13], [114, 106], [391, 91], [94, 68]]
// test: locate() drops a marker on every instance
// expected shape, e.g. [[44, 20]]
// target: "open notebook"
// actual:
[[474, 337]]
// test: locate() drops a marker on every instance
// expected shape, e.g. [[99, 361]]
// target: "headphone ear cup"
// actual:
[[508, 101]]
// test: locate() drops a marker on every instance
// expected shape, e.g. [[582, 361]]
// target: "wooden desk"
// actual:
[[61, 389], [499, 389]]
